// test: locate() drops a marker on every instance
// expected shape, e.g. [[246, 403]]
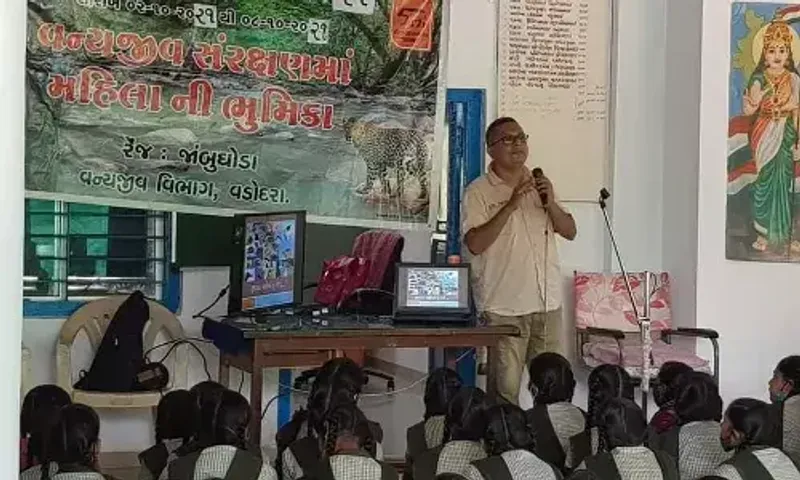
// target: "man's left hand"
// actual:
[[545, 188]]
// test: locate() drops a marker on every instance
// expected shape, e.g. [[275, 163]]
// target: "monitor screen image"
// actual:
[[433, 288], [270, 260]]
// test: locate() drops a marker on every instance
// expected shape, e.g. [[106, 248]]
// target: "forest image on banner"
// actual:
[[249, 105]]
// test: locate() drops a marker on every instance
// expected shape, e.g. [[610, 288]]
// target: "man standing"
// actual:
[[509, 216]]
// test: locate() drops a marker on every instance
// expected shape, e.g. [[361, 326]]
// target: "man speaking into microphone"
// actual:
[[509, 216]]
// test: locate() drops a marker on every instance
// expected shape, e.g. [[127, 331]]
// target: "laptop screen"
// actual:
[[428, 289]]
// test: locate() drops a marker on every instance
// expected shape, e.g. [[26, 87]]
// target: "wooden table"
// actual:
[[301, 348]]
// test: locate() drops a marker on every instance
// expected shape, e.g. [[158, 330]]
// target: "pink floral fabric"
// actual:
[[601, 300]]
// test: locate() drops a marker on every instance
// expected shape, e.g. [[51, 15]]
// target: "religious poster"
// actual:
[[327, 106], [763, 144]]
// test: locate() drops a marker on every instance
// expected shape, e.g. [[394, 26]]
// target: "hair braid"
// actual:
[[331, 435]]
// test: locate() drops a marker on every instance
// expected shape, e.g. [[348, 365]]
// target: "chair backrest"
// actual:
[[601, 300], [94, 318], [383, 248]]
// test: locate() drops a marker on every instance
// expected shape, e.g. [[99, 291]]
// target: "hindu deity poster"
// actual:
[[763, 143]]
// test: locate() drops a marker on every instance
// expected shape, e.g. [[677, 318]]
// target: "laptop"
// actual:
[[433, 294]]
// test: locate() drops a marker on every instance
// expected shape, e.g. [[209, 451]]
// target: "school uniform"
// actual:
[[420, 438], [627, 463], [154, 460], [302, 454], [791, 426], [221, 461], [63, 473], [585, 444], [455, 456], [759, 463], [512, 465], [553, 428], [695, 447], [351, 466]]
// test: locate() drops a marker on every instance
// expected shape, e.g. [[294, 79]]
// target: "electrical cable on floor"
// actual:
[[287, 389]]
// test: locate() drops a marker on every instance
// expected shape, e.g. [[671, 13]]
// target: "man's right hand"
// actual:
[[523, 188]]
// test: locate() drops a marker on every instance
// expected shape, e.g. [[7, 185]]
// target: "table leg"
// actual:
[[256, 394], [224, 375]]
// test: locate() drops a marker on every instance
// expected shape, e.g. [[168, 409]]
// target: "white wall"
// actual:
[[753, 306], [637, 201]]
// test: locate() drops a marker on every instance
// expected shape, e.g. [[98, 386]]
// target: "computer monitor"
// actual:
[[426, 289], [267, 273]]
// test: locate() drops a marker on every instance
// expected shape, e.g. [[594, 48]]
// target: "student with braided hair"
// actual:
[[465, 427], [751, 429], [694, 442], [605, 382], [664, 394], [784, 390], [38, 414], [622, 428], [553, 418], [441, 386], [71, 448], [349, 448], [226, 457], [175, 427], [510, 444], [339, 381]]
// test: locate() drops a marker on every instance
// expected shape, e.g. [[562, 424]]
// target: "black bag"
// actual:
[[120, 355]]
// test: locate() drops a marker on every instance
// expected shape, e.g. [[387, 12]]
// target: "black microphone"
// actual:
[[538, 174], [604, 195]]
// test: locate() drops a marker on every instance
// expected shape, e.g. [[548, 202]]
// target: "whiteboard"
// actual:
[[554, 74]]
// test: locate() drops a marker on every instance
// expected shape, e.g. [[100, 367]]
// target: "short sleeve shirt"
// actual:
[[521, 269]]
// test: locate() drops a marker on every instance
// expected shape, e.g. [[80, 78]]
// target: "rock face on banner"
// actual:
[[244, 105]]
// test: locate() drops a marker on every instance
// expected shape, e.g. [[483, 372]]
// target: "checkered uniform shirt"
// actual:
[[214, 462], [699, 450], [434, 431], [522, 464], [775, 461], [634, 463], [791, 426], [355, 467], [456, 456], [568, 421], [35, 473]]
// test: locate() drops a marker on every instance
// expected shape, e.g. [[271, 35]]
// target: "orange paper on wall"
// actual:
[[412, 24]]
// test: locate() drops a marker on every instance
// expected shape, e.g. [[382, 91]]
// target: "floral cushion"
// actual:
[[601, 300], [599, 351]]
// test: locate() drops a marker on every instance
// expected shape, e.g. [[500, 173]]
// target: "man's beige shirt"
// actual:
[[521, 268]]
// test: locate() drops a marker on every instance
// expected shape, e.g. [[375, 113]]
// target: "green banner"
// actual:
[[327, 106]]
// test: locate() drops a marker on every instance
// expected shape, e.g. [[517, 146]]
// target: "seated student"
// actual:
[[622, 428], [605, 382], [338, 382], [226, 456], [441, 386], [465, 426], [175, 426], [694, 442], [509, 444], [205, 397], [784, 390], [350, 449], [664, 396], [553, 418], [38, 414], [72, 447], [751, 430]]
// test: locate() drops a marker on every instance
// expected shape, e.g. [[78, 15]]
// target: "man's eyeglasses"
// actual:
[[511, 140]]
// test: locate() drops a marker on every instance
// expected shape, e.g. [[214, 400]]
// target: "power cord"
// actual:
[[287, 389], [173, 344], [220, 295]]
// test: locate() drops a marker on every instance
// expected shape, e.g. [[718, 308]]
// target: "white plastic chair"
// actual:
[[93, 318]]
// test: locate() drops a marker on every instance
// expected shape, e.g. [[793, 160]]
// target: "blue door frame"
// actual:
[[466, 119]]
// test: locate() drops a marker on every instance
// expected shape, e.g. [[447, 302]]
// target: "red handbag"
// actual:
[[340, 277]]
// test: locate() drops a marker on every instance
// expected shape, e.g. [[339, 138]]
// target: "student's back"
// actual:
[[510, 445], [622, 426], [554, 419], [226, 455], [38, 414], [175, 426], [694, 443]]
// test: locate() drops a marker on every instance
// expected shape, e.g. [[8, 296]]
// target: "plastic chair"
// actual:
[[93, 318], [608, 331]]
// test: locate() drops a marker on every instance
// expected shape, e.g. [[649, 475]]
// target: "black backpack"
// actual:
[[120, 355]]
